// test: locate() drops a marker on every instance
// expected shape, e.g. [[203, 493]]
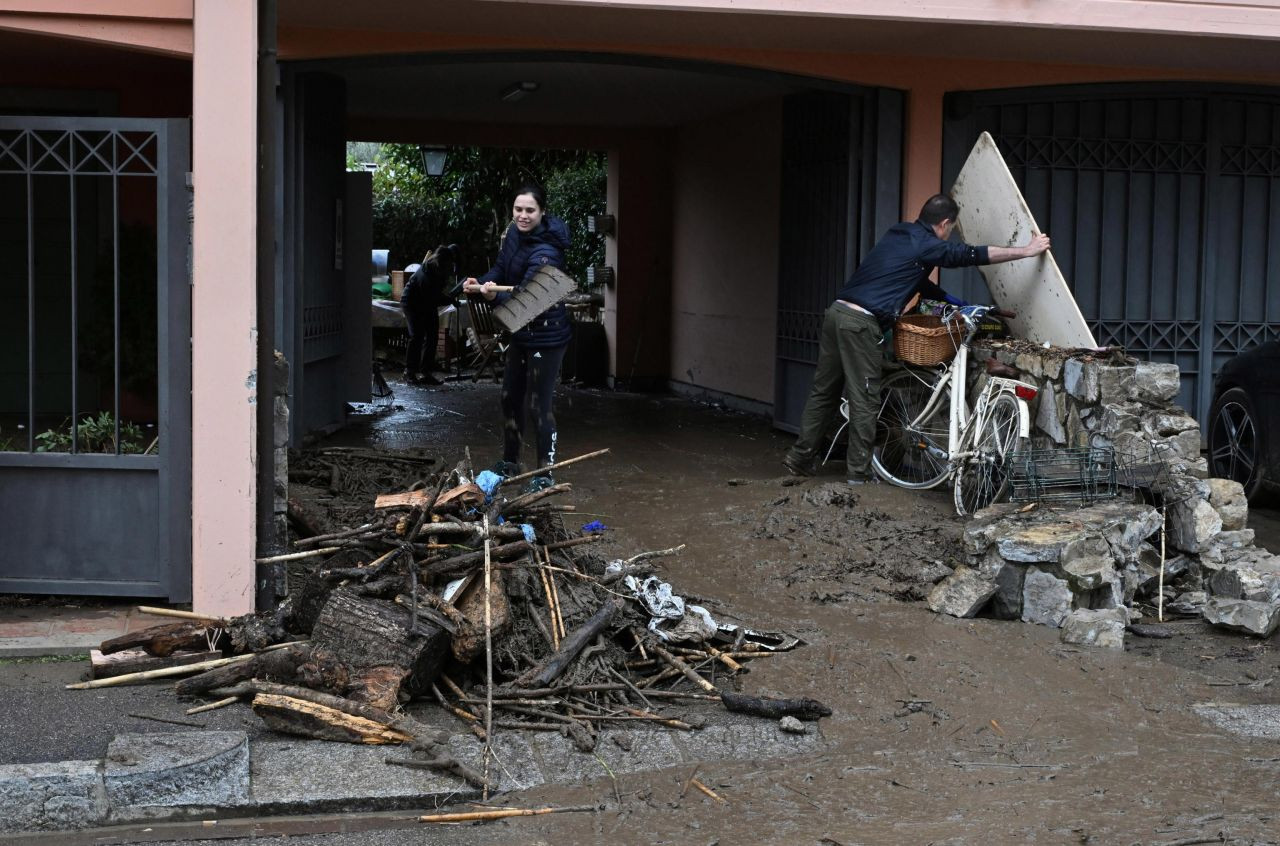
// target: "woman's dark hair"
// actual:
[[534, 190]]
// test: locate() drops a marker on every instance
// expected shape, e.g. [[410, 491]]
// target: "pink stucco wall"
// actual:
[[224, 306], [724, 287]]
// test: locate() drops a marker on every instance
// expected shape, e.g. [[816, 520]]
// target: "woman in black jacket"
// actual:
[[532, 241]]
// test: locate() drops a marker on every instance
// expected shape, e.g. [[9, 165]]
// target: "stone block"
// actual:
[[962, 594], [1227, 498], [1043, 541], [1192, 524], [1156, 383], [1242, 615], [205, 769], [1115, 384], [1188, 602], [1051, 414], [1257, 582], [1052, 366], [62, 795], [1080, 378], [1030, 363], [1046, 599], [1120, 417], [1103, 628]]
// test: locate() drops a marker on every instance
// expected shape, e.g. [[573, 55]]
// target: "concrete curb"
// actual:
[[174, 776]]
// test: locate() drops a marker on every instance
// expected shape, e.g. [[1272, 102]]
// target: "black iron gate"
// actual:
[[1163, 202], [95, 377], [841, 189]]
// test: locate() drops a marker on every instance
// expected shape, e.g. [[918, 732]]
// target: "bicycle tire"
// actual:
[[983, 478], [901, 458]]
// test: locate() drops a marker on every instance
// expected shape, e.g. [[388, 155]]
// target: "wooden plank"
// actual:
[[136, 661], [993, 211]]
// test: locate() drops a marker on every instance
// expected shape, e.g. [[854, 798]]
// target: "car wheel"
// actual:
[[1237, 448]]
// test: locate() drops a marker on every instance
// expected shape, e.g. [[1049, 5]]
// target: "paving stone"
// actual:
[[1102, 628], [962, 594], [205, 769], [41, 797], [1247, 720]]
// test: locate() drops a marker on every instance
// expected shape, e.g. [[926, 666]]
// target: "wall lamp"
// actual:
[[601, 275], [434, 159], [602, 224], [517, 91]]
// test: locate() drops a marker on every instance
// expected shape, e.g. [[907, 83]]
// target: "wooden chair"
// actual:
[[490, 348]]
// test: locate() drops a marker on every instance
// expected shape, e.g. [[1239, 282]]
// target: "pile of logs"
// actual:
[[484, 603]]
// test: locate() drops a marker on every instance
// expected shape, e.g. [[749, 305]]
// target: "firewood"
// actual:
[[683, 668], [761, 706], [499, 814], [452, 564], [284, 665], [572, 645], [164, 639], [297, 716], [136, 661]]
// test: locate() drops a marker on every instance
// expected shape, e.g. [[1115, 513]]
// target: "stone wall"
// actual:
[[1094, 569]]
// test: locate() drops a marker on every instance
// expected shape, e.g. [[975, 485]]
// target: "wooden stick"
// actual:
[[499, 814], [346, 533], [685, 669], [1160, 589], [542, 471], [488, 662], [575, 643], [184, 615], [294, 556], [221, 703], [555, 593], [733, 665], [168, 672], [707, 790], [551, 607]]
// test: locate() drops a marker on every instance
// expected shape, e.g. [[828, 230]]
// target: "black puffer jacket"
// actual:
[[521, 256]]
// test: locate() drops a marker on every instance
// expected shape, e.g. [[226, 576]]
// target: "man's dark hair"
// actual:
[[938, 208]]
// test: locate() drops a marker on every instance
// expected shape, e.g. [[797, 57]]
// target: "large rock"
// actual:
[[1227, 498], [1080, 378], [1155, 383], [962, 594], [1243, 615], [1115, 383], [1006, 603], [1257, 582], [1120, 417], [1192, 524], [1104, 628], [1051, 413], [1046, 599], [1165, 423]]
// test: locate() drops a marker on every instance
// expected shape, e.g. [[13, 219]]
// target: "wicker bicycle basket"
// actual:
[[925, 340]]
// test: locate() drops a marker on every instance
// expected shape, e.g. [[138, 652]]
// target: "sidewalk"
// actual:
[[68, 628]]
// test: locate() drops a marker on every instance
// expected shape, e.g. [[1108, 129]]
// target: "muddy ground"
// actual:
[[1013, 737]]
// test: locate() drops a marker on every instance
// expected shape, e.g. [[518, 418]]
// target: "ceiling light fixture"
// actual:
[[517, 91]]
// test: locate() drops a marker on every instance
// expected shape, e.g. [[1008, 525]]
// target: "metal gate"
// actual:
[[1162, 201], [95, 376], [841, 189]]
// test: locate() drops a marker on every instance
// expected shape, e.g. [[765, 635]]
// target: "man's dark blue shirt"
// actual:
[[899, 266]]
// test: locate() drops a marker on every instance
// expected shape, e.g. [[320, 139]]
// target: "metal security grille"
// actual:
[[95, 363], [841, 176], [1159, 202]]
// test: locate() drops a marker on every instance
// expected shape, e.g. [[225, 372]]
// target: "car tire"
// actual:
[[1237, 442]]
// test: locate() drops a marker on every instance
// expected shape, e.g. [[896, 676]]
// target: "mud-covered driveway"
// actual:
[[945, 730]]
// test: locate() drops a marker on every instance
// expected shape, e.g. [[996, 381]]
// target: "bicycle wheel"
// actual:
[[907, 456], [983, 477]]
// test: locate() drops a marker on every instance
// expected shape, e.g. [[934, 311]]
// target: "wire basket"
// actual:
[[923, 339], [1069, 474]]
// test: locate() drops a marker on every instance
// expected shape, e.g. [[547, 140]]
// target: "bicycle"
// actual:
[[926, 431]]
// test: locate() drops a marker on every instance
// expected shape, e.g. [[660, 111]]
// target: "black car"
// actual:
[[1244, 441]]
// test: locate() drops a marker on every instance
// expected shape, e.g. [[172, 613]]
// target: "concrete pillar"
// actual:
[[224, 306]]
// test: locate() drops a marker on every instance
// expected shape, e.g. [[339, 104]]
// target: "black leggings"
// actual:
[[424, 329], [529, 382]]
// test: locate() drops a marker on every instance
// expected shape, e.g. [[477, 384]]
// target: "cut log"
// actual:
[[469, 641], [365, 633], [573, 644], [137, 661], [162, 640], [763, 706], [299, 664], [297, 716]]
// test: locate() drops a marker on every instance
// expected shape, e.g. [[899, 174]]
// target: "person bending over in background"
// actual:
[[424, 293], [534, 240], [849, 356]]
